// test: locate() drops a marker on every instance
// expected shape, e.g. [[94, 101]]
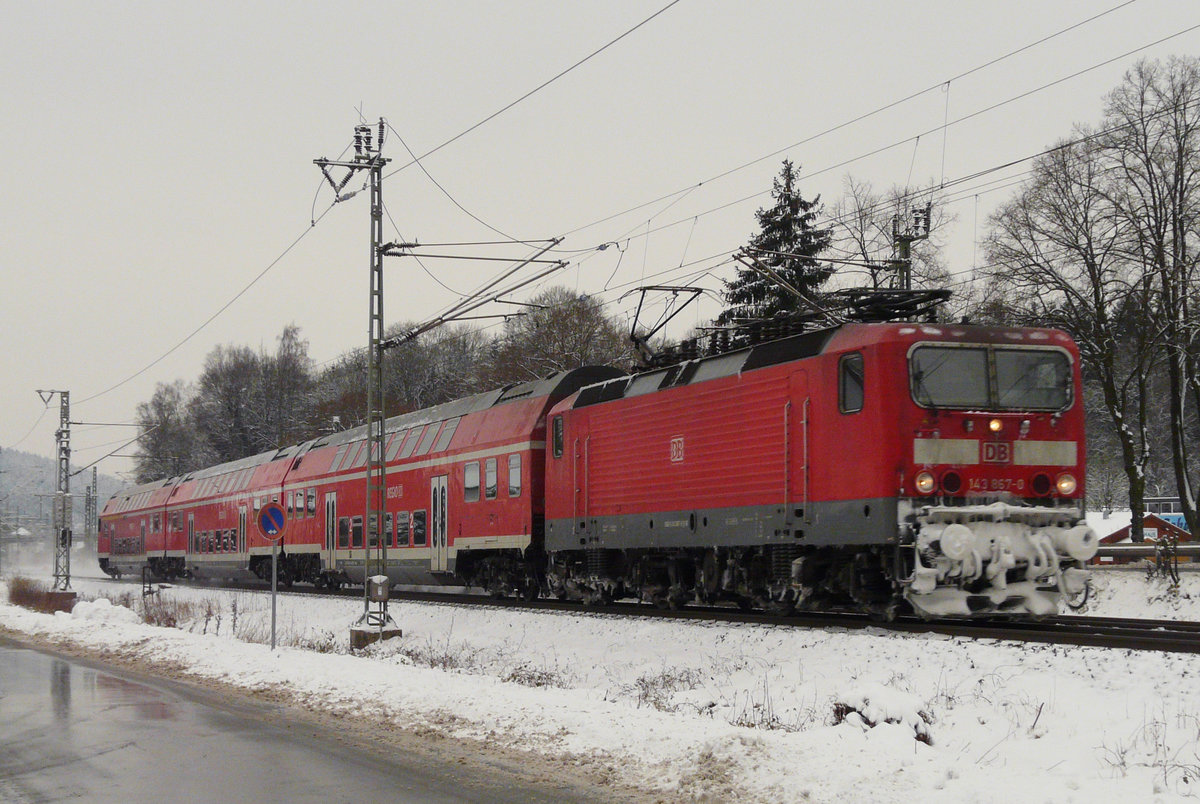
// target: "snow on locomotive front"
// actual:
[[993, 496]]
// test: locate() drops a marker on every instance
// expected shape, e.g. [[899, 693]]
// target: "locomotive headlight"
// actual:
[[1066, 484], [995, 425], [924, 482]]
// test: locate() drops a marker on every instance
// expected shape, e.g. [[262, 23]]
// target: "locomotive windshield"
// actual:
[[990, 378]]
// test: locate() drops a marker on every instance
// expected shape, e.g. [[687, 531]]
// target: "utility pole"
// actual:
[[368, 156], [62, 491], [89, 525], [903, 238]]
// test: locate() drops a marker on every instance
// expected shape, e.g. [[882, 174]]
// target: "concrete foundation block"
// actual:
[[361, 637]]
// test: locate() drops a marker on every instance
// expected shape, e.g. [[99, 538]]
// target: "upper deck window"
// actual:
[[990, 378]]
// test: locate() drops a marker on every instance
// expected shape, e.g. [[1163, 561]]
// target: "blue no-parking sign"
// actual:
[[272, 521]]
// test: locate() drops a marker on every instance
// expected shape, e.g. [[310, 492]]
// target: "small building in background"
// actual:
[[1160, 535], [1168, 508]]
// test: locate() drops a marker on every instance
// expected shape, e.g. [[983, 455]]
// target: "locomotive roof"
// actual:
[[808, 344], [709, 368]]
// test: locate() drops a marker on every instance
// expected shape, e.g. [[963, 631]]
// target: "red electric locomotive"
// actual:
[[860, 465]]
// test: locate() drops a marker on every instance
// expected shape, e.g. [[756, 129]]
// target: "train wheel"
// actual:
[[530, 590]]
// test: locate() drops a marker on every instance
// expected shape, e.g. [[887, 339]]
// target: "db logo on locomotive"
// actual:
[[997, 452], [677, 449]]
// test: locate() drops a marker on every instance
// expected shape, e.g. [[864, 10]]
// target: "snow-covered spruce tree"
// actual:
[[790, 242]]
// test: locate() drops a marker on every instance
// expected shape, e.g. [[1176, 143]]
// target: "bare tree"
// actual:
[[224, 407], [560, 330], [863, 232], [169, 444], [1153, 153], [1056, 252]]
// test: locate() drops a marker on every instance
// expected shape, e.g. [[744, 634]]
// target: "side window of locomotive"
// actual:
[[402, 529], [471, 482], [514, 475], [343, 532], [850, 383], [418, 528], [489, 477], [557, 428]]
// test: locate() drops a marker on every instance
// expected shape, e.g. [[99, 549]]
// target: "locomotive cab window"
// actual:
[[850, 383], [990, 378], [557, 428]]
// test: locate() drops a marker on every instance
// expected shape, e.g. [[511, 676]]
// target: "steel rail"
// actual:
[[1164, 636]]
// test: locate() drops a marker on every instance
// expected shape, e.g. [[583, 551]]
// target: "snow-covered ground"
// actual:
[[688, 711]]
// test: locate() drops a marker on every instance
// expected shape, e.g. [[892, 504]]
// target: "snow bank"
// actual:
[[103, 610], [712, 711]]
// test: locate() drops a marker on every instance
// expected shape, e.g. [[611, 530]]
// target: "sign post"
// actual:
[[272, 521]]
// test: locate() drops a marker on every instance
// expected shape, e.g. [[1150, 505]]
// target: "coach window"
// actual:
[[427, 439], [850, 383], [410, 441], [514, 475], [418, 528], [402, 529], [356, 536], [443, 439], [387, 530], [360, 457], [343, 532], [558, 436], [471, 482], [489, 476], [312, 501]]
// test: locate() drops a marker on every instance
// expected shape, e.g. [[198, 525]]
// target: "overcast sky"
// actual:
[[158, 156]]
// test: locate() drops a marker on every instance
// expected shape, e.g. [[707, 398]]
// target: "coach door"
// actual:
[[331, 524], [437, 524]]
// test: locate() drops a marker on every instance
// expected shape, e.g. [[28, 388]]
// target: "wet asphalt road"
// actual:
[[70, 731]]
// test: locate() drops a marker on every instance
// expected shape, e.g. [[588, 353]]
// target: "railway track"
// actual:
[[1166, 636]]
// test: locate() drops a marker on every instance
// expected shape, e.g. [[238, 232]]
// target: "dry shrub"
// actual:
[[175, 613], [30, 594], [844, 711], [530, 676]]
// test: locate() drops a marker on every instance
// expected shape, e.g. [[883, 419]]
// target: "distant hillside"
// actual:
[[26, 478]]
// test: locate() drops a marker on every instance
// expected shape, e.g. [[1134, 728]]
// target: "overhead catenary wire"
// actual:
[[857, 119], [211, 318], [692, 218], [316, 219], [536, 89]]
